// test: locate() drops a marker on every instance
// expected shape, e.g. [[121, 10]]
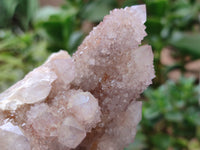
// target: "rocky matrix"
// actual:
[[87, 101]]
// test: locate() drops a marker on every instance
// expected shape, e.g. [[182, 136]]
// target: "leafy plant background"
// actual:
[[171, 114]]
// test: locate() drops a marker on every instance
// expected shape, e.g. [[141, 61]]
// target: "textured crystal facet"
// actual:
[[71, 133], [87, 101], [12, 138]]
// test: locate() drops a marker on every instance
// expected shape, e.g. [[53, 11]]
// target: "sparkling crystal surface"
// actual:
[[87, 101]]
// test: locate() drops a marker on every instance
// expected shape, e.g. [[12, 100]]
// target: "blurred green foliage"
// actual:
[[171, 23], [18, 55], [170, 118], [17, 13], [61, 27], [28, 34]]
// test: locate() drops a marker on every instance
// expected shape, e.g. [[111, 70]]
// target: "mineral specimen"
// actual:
[[87, 101]]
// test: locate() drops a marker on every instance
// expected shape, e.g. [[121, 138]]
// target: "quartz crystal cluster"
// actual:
[[87, 101]]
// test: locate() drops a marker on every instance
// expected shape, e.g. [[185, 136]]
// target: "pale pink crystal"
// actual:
[[84, 107], [87, 101], [28, 91], [71, 133], [43, 121], [12, 138]]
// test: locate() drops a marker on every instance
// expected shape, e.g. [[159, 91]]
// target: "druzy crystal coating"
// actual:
[[87, 101]]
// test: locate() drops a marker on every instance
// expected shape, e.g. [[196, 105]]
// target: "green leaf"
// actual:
[[74, 41], [174, 116], [187, 43], [57, 26], [25, 12], [50, 13], [161, 141], [44, 14], [193, 115], [130, 3], [156, 7], [7, 10], [154, 25], [96, 10], [151, 112]]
